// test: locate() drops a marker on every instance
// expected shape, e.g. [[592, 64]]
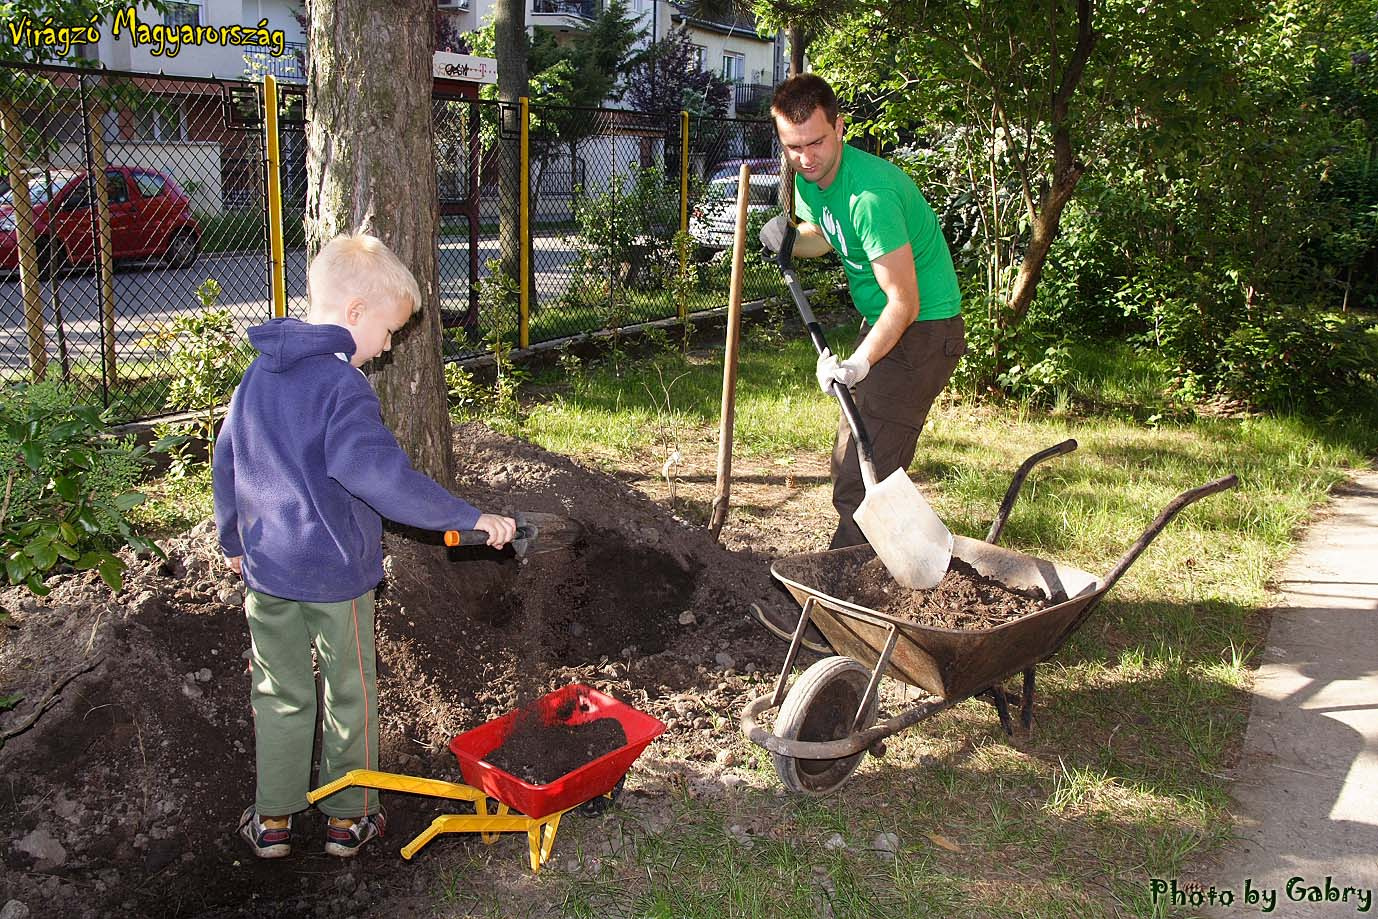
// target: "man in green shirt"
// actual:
[[900, 275]]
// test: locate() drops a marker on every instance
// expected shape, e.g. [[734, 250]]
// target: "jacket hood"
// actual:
[[284, 342]]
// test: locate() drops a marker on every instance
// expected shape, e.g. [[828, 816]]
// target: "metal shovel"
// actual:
[[909, 538]]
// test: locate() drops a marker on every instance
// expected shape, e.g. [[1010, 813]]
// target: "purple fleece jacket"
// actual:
[[304, 467]]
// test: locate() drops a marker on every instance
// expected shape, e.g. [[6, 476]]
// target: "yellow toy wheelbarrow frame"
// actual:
[[540, 832]]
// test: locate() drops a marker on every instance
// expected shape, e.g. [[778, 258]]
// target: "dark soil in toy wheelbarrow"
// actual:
[[566, 748]]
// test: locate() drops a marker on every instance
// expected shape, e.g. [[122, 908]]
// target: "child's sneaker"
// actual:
[[345, 837], [271, 838]]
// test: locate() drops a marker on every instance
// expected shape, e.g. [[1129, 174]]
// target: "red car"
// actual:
[[150, 216]]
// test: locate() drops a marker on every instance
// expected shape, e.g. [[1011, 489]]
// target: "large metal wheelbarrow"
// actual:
[[826, 720]]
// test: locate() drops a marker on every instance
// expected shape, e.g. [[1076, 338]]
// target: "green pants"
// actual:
[[283, 696]]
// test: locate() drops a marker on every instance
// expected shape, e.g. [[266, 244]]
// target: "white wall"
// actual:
[[195, 166], [205, 60]]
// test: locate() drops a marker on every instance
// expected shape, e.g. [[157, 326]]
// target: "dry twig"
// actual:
[[49, 699]]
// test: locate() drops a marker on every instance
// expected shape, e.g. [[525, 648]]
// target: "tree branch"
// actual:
[[49, 699]]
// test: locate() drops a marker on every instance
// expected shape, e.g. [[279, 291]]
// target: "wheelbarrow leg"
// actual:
[[1027, 703], [1002, 706]]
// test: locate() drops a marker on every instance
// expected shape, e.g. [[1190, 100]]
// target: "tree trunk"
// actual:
[[369, 167], [798, 46], [509, 32], [1067, 172], [1045, 230]]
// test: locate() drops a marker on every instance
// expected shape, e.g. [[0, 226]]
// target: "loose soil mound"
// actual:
[[123, 798], [964, 599]]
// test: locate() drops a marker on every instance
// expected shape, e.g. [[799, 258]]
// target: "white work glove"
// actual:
[[849, 372], [774, 232]]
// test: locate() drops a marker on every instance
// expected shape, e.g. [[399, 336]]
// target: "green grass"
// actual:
[[1140, 713], [237, 231]]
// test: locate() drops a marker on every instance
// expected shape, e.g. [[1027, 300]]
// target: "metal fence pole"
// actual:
[[524, 225], [24, 234], [95, 176], [683, 204], [277, 267]]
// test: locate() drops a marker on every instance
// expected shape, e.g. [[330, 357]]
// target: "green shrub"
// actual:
[[1031, 362], [1293, 359], [67, 488], [207, 355]]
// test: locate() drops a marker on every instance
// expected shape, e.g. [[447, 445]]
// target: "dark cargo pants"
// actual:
[[893, 401]]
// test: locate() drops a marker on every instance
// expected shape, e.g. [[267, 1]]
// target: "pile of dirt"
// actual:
[[964, 599], [123, 797]]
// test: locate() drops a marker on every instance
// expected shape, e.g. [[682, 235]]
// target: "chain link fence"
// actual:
[[122, 194], [623, 217]]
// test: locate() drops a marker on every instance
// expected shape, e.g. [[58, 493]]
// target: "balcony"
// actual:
[[751, 98], [565, 15], [291, 66]]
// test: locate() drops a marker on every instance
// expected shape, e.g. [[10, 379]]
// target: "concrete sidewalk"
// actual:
[[1306, 787]]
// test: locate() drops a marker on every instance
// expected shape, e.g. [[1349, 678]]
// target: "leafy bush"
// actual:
[[207, 355], [1030, 362], [626, 233], [1292, 359], [67, 488]]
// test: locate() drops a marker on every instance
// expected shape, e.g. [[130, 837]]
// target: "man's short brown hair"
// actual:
[[796, 98]]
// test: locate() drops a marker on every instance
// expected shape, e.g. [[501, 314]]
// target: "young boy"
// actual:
[[303, 469]]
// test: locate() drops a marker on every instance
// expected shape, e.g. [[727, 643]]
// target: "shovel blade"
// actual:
[[909, 538]]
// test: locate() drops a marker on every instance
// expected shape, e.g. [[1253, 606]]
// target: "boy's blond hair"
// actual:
[[358, 265]]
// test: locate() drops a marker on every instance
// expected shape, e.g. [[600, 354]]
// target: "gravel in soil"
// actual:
[[123, 798]]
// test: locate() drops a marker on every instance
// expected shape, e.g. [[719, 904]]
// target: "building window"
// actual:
[[163, 123], [733, 67], [700, 57], [180, 13]]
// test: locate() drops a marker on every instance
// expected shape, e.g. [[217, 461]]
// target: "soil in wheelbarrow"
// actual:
[[540, 752], [964, 599], [122, 794]]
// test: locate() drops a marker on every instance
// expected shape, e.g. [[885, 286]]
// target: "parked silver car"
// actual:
[[714, 218]]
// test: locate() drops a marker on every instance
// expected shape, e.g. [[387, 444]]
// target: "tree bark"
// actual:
[[1067, 172], [510, 41], [369, 167]]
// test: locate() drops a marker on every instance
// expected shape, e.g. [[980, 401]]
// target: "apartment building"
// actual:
[[729, 46]]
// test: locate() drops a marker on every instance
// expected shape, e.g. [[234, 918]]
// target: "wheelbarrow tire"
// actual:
[[820, 706]]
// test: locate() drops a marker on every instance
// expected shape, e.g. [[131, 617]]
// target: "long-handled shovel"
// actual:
[[909, 538]]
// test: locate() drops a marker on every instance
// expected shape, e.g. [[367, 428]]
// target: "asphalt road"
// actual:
[[149, 295]]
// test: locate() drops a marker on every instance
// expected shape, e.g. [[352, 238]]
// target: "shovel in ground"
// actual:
[[909, 538], [536, 533]]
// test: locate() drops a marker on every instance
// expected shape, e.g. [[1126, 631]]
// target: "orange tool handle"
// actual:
[[480, 537]]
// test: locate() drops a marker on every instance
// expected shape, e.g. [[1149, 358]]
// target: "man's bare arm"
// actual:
[[894, 273], [811, 242]]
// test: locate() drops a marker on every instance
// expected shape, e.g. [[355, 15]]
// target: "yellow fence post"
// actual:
[[683, 203], [277, 264], [24, 234], [524, 227], [105, 266]]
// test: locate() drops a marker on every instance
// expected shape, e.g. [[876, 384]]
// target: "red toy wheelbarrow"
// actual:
[[522, 806]]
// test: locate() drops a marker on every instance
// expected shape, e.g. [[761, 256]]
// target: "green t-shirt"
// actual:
[[872, 207]]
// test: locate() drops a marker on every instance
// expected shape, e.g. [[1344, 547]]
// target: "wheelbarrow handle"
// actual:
[[480, 537], [1007, 505], [1189, 496], [864, 451]]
